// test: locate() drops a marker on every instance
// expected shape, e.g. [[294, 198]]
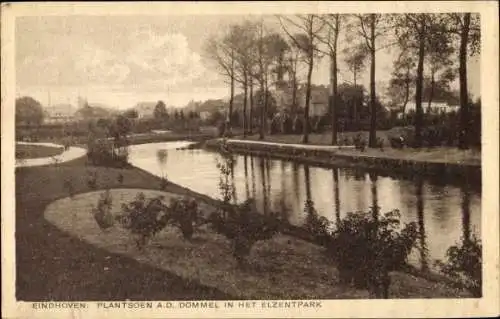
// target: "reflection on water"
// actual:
[[444, 213]]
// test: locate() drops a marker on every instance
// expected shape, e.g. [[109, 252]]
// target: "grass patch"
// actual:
[[280, 268], [35, 151], [443, 154]]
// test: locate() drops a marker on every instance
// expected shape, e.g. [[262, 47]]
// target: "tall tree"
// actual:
[[244, 40], [402, 79], [330, 39], [466, 27], [370, 28], [160, 110], [414, 32], [221, 52], [310, 26], [29, 111], [355, 58], [440, 50]]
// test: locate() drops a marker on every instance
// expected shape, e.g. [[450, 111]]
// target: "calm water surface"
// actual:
[[443, 212]]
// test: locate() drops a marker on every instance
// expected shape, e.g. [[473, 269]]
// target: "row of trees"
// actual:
[[251, 54]]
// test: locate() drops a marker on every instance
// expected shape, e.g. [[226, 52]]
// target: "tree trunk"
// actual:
[[262, 116], [431, 93], [245, 93], [294, 96], [418, 91], [334, 83], [372, 139], [407, 92], [305, 138], [463, 141], [231, 99], [250, 124]]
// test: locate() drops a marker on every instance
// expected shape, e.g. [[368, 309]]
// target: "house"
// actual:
[[318, 103], [436, 107]]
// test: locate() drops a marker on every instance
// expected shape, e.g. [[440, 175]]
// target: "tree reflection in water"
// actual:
[[424, 262], [161, 157], [336, 188]]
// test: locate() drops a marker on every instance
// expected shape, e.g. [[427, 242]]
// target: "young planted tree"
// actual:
[[310, 26], [465, 26]]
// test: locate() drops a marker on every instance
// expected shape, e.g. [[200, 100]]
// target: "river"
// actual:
[[443, 212]]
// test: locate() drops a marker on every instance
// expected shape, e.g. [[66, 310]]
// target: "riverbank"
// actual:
[[441, 163], [54, 265]]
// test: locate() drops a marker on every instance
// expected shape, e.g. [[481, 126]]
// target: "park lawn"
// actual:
[[24, 151], [280, 268], [451, 155], [54, 265]]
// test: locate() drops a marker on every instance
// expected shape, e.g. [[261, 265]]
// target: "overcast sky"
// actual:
[[121, 60]]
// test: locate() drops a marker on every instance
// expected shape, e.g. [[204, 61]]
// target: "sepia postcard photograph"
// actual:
[[250, 159]]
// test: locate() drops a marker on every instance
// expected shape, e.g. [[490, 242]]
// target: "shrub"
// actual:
[[244, 227], [359, 143], [463, 264], [184, 214], [397, 142], [92, 180], [163, 183], [316, 225], [144, 217], [102, 212], [366, 249]]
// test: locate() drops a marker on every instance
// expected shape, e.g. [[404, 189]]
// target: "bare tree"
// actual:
[[221, 52], [310, 27], [466, 27], [244, 41]]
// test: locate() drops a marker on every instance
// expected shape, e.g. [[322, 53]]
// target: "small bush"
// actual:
[[366, 249], [464, 264], [244, 227], [144, 217], [397, 142], [102, 213], [92, 180], [184, 214], [316, 225], [359, 143]]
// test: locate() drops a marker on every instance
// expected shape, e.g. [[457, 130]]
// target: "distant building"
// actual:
[[318, 103], [436, 107], [145, 109], [61, 113]]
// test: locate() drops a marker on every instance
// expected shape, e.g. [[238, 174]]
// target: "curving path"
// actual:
[[68, 155]]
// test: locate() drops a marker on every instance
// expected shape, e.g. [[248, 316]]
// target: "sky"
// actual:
[[122, 60]]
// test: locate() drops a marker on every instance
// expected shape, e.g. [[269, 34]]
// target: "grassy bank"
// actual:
[[24, 151], [53, 265], [448, 164]]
